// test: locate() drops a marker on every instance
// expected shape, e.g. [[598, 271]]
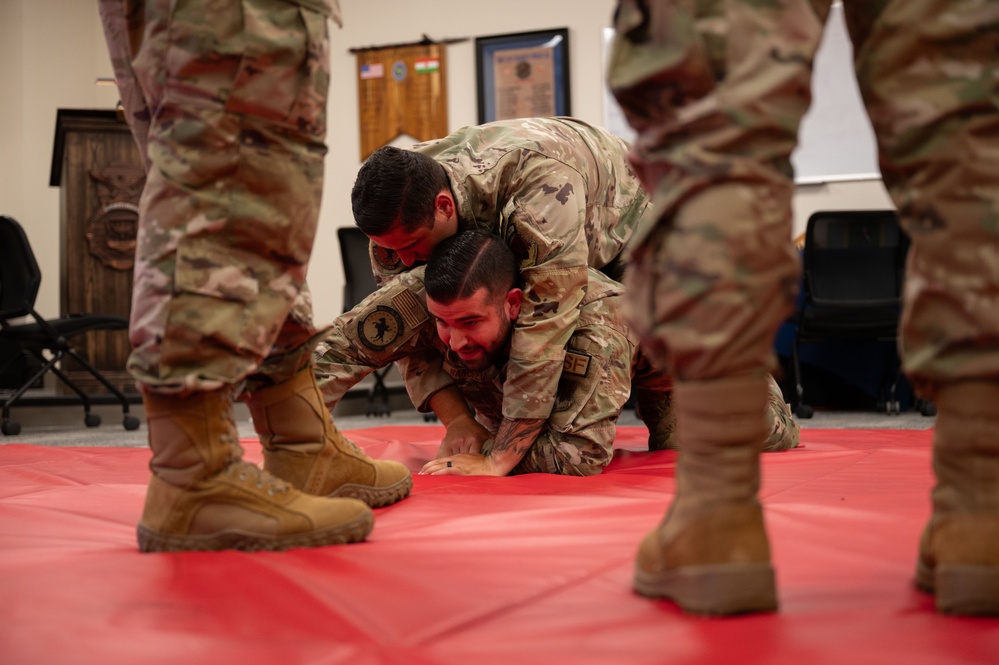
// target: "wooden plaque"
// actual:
[[401, 90]]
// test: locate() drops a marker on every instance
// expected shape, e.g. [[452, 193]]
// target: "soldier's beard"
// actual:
[[493, 355]]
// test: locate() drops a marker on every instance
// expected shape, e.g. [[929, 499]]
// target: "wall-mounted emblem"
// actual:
[[112, 229]]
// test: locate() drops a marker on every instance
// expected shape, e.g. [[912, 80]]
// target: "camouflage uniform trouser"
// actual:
[[655, 408], [227, 103], [716, 91], [578, 439]]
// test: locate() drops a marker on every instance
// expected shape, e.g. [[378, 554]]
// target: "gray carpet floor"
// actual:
[[63, 425]]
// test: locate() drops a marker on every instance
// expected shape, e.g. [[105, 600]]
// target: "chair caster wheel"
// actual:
[[91, 420], [10, 428], [131, 423]]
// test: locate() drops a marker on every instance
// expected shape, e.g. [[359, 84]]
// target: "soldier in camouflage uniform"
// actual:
[[716, 91], [602, 363], [227, 103], [560, 192]]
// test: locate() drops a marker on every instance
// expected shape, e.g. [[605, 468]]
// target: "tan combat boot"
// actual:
[[304, 447], [203, 497], [710, 554], [959, 549]]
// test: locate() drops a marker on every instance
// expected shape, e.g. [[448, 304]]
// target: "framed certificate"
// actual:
[[523, 75]]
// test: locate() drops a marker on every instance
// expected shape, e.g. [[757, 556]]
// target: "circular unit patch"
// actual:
[[386, 258], [380, 328]]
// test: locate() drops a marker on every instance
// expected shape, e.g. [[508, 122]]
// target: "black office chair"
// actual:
[[854, 266], [45, 339], [359, 282]]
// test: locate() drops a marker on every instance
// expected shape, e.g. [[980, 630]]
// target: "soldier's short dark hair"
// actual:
[[396, 184], [465, 262]]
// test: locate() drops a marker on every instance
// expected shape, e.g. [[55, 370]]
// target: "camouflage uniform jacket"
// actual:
[[388, 326], [565, 198], [599, 361], [234, 158], [602, 365]]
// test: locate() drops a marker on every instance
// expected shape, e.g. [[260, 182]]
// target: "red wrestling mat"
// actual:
[[476, 571]]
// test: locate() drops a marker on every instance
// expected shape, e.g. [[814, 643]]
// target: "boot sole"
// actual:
[[349, 532], [376, 497], [961, 588], [713, 589]]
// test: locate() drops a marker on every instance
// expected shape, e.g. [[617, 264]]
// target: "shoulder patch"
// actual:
[[412, 309], [525, 251], [576, 363], [380, 327], [386, 258]]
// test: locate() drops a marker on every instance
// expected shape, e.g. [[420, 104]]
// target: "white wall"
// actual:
[[11, 121], [50, 53], [856, 195], [375, 22], [38, 78]]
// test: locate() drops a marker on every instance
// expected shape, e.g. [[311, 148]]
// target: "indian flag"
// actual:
[[427, 66]]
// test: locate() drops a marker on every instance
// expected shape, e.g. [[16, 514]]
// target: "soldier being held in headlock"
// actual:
[[472, 304]]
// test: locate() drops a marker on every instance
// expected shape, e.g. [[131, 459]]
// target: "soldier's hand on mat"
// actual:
[[464, 435], [467, 464]]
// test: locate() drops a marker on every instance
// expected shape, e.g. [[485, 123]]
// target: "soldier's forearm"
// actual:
[[513, 440], [449, 404]]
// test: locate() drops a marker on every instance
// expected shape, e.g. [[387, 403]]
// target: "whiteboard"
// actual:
[[836, 141], [614, 120]]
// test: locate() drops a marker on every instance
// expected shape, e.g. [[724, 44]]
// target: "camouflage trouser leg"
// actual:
[[565, 454], [294, 346], [654, 407], [235, 101], [927, 71], [120, 20], [717, 90], [784, 431], [652, 389]]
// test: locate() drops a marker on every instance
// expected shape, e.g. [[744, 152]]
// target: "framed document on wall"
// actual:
[[522, 75]]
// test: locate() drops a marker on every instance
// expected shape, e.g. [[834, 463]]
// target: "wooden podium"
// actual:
[[99, 171]]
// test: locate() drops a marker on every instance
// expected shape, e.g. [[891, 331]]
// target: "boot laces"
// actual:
[[230, 437], [335, 433], [246, 472]]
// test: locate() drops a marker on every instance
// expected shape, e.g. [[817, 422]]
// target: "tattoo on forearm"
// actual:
[[518, 435]]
